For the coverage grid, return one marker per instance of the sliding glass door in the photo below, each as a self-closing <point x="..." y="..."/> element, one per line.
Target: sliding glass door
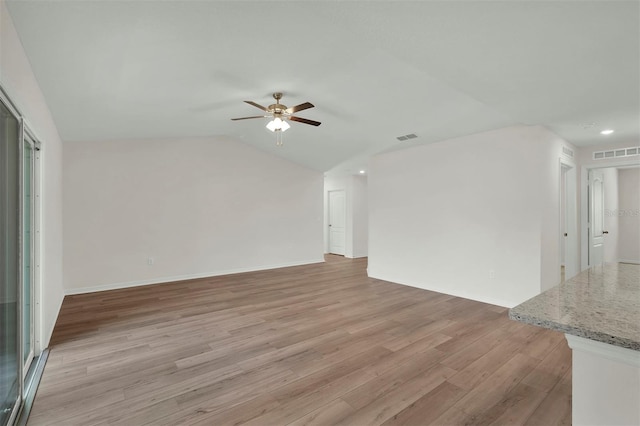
<point x="19" y="215"/>
<point x="10" y="359"/>
<point x="27" y="238"/>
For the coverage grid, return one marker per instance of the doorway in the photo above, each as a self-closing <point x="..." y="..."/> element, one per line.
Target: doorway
<point x="610" y="205"/>
<point x="337" y="222"/>
<point x="596" y="217"/>
<point x="568" y="220"/>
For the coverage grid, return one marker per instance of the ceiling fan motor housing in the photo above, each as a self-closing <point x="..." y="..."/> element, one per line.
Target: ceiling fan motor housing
<point x="277" y="108"/>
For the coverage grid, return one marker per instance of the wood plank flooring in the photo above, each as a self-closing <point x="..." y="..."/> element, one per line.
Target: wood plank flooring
<point x="318" y="344"/>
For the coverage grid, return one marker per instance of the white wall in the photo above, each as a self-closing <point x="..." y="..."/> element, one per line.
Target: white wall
<point x="629" y="215"/>
<point x="360" y="211"/>
<point x="19" y="81"/>
<point x="356" y="211"/>
<point x="476" y="216"/>
<point x="610" y="176"/>
<point x="198" y="207"/>
<point x="584" y="155"/>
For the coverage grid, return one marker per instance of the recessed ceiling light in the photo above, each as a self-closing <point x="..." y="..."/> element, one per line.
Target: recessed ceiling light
<point x="606" y="132"/>
<point x="361" y="172"/>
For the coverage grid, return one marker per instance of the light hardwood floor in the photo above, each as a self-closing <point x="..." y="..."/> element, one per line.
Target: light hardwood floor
<point x="316" y="344"/>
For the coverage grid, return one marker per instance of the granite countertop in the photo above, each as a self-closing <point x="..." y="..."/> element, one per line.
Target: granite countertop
<point x="601" y="303"/>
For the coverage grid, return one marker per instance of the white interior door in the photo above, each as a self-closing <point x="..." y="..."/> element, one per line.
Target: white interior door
<point x="569" y="219"/>
<point x="337" y="219"/>
<point x="596" y="217"/>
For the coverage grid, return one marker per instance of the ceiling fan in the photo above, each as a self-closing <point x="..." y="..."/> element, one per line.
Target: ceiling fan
<point x="280" y="114"/>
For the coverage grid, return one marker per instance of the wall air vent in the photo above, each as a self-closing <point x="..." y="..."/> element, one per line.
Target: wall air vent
<point x="617" y="153"/>
<point x="567" y="151"/>
<point x="405" y="137"/>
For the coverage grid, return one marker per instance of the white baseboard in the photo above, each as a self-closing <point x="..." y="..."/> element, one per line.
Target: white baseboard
<point x="161" y="280"/>
<point x="356" y="256"/>
<point x="636" y="261"/>
<point x="463" y="294"/>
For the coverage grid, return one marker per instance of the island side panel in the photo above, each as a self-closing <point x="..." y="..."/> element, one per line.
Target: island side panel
<point x="606" y="383"/>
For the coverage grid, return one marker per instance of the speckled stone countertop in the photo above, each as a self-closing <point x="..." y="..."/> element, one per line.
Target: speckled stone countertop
<point x="601" y="303"/>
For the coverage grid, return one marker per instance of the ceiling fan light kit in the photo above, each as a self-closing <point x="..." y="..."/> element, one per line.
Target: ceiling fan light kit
<point x="280" y="114"/>
<point x="278" y="124"/>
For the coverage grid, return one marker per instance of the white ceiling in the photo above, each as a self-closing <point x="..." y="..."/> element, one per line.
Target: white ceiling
<point x="374" y="70"/>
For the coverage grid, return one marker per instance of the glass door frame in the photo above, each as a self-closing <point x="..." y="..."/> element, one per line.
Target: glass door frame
<point x="6" y="102"/>
<point x="26" y="136"/>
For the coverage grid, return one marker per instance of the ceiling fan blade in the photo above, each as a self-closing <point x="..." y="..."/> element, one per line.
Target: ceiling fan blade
<point x="256" y="105"/>
<point x="247" y="118"/>
<point x="304" y="120"/>
<point x="300" y="107"/>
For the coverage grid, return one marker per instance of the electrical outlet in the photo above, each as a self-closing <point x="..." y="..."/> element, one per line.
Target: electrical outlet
<point x="492" y="274"/>
<point x="150" y="261"/>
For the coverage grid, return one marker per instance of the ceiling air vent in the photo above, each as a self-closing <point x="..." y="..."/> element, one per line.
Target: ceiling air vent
<point x="617" y="153"/>
<point x="405" y="137"/>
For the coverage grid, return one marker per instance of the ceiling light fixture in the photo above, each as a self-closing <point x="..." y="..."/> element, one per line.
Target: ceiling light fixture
<point x="606" y="132"/>
<point x="362" y="172"/>
<point x="278" y="124"/>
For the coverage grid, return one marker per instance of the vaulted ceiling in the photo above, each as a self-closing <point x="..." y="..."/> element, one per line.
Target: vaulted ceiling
<point x="374" y="69"/>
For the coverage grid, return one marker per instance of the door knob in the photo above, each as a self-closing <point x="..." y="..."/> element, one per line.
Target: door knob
<point x="605" y="232"/>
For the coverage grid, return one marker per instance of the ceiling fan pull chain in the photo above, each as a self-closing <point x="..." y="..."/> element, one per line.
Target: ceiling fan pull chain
<point x="278" y="137"/>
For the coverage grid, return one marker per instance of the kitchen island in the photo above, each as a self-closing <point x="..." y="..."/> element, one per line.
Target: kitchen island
<point x="599" y="312"/>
